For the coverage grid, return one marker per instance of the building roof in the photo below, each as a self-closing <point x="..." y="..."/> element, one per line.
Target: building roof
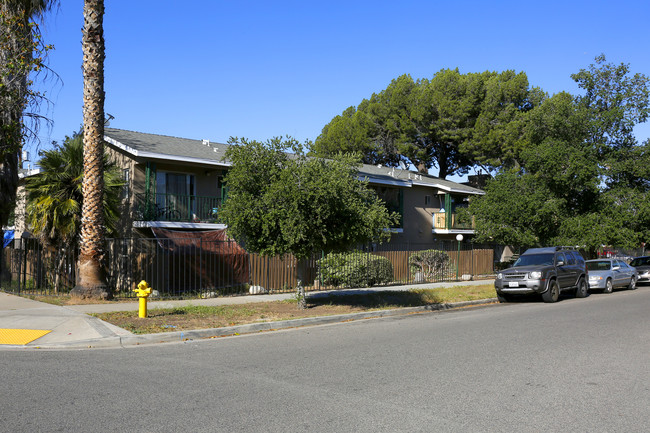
<point x="396" y="176"/>
<point x="153" y="146"/>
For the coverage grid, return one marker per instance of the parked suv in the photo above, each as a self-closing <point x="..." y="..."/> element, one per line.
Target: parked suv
<point x="547" y="271"/>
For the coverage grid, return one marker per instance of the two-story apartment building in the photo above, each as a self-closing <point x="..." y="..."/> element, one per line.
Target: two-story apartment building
<point x="177" y="183"/>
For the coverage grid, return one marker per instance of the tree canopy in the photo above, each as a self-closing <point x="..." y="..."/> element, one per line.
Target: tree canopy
<point x="281" y="203"/>
<point x="452" y="122"/>
<point x="22" y="54"/>
<point x="580" y="177"/>
<point x="288" y="203"/>
<point x="54" y="195"/>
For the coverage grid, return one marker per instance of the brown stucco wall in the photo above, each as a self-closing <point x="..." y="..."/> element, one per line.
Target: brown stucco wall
<point x="417" y="216"/>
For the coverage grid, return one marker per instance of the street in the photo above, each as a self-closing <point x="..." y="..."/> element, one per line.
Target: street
<point x="577" y="365"/>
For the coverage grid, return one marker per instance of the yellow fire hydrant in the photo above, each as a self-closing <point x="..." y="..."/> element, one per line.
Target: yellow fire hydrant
<point x="143" y="292"/>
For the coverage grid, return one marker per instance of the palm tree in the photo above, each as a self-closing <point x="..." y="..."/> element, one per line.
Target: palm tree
<point x="91" y="281"/>
<point x="20" y="54"/>
<point x="54" y="198"/>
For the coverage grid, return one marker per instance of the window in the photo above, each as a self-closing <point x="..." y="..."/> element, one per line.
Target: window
<point x="175" y="192"/>
<point x="427" y="200"/>
<point x="602" y="265"/>
<point x="534" y="260"/>
<point x="393" y="199"/>
<point x="570" y="259"/>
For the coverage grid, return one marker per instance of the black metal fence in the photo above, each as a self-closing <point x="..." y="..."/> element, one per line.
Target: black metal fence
<point x="185" y="268"/>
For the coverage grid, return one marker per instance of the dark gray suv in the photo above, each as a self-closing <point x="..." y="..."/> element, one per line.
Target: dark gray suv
<point x="547" y="271"/>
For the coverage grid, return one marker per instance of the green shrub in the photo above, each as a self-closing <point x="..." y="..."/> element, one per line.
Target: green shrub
<point x="354" y="270"/>
<point x="429" y="265"/>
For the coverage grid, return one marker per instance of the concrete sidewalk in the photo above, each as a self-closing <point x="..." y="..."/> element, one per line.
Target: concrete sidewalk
<point x="71" y="327"/>
<point x="66" y="326"/>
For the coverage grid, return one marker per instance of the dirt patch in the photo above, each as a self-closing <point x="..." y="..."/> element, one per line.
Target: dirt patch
<point x="202" y="317"/>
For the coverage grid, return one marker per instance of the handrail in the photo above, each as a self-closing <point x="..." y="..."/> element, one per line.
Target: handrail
<point x="176" y="207"/>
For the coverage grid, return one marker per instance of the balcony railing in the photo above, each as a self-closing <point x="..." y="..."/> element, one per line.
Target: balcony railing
<point x="176" y="207"/>
<point x="441" y="221"/>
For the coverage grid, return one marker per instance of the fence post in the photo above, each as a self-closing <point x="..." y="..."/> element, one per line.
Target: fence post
<point x="406" y="257"/>
<point x="20" y="263"/>
<point x="472" y="259"/>
<point x="25" y="271"/>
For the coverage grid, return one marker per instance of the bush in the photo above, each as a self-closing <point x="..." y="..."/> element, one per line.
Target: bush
<point x="429" y="265"/>
<point x="354" y="270"/>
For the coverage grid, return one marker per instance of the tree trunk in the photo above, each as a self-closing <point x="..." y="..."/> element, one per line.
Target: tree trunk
<point x="15" y="37"/>
<point x="91" y="281"/>
<point x="300" y="289"/>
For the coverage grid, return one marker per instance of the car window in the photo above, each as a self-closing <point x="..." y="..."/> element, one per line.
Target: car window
<point x="560" y="258"/>
<point x="535" y="260"/>
<point x="579" y="259"/>
<point x="639" y="261"/>
<point x="599" y="265"/>
<point x="623" y="265"/>
<point x="570" y="258"/>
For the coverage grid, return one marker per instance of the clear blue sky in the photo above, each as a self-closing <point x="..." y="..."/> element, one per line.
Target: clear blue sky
<point x="258" y="69"/>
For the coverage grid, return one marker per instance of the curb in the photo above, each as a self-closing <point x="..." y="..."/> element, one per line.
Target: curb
<point x="199" y="334"/>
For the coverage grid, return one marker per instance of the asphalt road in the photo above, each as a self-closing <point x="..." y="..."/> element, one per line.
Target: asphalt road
<point x="578" y="365"/>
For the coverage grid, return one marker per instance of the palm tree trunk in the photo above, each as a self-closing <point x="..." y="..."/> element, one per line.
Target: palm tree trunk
<point x="91" y="281"/>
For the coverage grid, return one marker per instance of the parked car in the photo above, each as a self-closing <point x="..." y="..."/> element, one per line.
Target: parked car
<point x="642" y="265"/>
<point x="547" y="271"/>
<point x="608" y="274"/>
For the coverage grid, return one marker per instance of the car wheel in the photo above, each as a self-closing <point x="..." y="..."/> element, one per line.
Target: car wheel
<point x="608" y="286"/>
<point x="552" y="294"/>
<point x="582" y="289"/>
<point x="632" y="285"/>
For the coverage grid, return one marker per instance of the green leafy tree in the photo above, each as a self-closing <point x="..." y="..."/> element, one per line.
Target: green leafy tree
<point x="22" y="54"/>
<point x="516" y="210"/>
<point x="54" y="197"/>
<point x="450" y="121"/>
<point x="616" y="101"/>
<point x="499" y="132"/>
<point x="580" y="177"/>
<point x="281" y="203"/>
<point x="354" y="131"/>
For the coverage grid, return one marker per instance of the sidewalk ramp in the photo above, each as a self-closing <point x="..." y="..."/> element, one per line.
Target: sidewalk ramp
<point x="21" y="336"/>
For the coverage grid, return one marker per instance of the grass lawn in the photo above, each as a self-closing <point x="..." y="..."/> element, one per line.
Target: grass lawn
<point x="202" y="317"/>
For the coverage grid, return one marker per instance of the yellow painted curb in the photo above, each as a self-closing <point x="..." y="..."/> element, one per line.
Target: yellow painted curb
<point x="21" y="336"/>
